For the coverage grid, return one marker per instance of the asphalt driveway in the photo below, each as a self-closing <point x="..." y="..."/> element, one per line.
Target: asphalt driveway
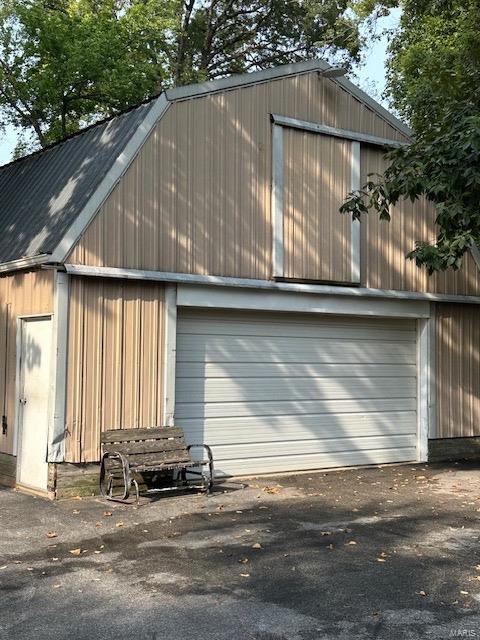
<point x="388" y="552"/>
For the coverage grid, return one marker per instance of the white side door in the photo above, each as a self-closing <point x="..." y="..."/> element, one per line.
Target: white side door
<point x="33" y="402"/>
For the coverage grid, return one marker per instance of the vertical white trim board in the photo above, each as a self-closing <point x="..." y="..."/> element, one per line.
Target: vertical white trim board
<point x="432" y="417"/>
<point x="355" y="225"/>
<point x="424" y="387"/>
<point x="277" y="202"/>
<point x="56" y="432"/>
<point x="170" y="354"/>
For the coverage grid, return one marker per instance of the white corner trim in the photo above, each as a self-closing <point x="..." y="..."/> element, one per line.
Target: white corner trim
<point x="316" y="127"/>
<point x="250" y="283"/>
<point x="277" y="202"/>
<point x="432" y="417"/>
<point x="56" y="427"/>
<point x="281" y="301"/>
<point x="170" y="354"/>
<point x="423" y="388"/>
<point x="121" y="164"/>
<point x="355" y="241"/>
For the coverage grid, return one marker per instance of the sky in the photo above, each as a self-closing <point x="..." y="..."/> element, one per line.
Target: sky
<point x="370" y="76"/>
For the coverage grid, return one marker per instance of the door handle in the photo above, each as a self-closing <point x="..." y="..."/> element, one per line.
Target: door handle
<point x="22" y="400"/>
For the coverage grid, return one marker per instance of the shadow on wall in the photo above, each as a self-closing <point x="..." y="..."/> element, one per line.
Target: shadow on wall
<point x="458" y="370"/>
<point x="197" y="198"/>
<point x="21" y="294"/>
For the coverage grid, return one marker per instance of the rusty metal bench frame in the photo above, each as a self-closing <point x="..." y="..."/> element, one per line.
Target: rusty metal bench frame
<point x="148" y="450"/>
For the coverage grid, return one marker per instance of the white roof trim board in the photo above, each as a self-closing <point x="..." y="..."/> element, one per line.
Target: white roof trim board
<point x="272" y="285"/>
<point x="35" y="248"/>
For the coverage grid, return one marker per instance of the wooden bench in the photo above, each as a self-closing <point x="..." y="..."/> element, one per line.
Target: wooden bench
<point x="158" y="449"/>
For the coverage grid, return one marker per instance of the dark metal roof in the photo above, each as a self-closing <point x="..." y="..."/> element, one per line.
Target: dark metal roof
<point x="42" y="194"/>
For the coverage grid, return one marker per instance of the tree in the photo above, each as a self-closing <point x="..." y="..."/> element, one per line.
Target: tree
<point x="67" y="63"/>
<point x="434" y="83"/>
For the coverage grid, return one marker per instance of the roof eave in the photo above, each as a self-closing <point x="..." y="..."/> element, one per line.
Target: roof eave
<point x="25" y="263"/>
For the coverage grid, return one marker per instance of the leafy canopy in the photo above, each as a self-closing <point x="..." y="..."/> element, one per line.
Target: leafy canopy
<point x="434" y="83"/>
<point x="67" y="63"/>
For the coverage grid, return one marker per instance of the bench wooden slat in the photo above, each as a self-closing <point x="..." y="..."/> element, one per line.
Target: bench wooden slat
<point x="146" y="446"/>
<point x="158" y="459"/>
<point x="154" y="433"/>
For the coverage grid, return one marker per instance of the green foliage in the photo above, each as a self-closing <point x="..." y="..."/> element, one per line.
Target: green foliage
<point x="67" y="63"/>
<point x="434" y="80"/>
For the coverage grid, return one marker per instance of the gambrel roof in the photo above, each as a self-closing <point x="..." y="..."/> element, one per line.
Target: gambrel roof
<point x="48" y="198"/>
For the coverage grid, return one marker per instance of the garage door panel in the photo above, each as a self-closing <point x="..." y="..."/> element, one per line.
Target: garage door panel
<point x="292" y="370"/>
<point x="270" y="464"/>
<point x="265" y="389"/>
<point x="234" y="430"/>
<point x="187" y="409"/>
<point x="324" y="329"/>
<point x="315" y="446"/>
<point x="241" y="349"/>
<point x="277" y="392"/>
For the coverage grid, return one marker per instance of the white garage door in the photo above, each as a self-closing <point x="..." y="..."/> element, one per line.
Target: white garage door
<point x="278" y="392"/>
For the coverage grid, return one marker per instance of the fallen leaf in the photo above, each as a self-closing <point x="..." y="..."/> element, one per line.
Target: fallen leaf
<point x="52" y="534"/>
<point x="381" y="560"/>
<point x="422" y="593"/>
<point x="4" y="566"/>
<point x="57" y="586"/>
<point x="257" y="545"/>
<point x="75" y="552"/>
<point x="107" y="514"/>
<point x="245" y="575"/>
<point x="331" y="546"/>
<point x="464" y="593"/>
<point x="76" y="512"/>
<point x="351" y="542"/>
<point x="119" y="524"/>
<point x="244" y="560"/>
<point x="271" y="489"/>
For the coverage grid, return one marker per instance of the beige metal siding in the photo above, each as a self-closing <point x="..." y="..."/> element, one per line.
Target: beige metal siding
<point x="20" y="294"/>
<point x="197" y="197"/>
<point x="317" y="177"/>
<point x="115" y="357"/>
<point x="458" y="370"/>
<point x="384" y="245"/>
